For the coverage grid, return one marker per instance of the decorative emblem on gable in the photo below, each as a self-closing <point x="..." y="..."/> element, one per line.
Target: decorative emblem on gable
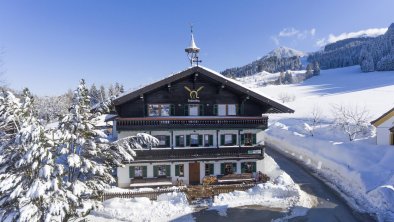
<point x="193" y="94"/>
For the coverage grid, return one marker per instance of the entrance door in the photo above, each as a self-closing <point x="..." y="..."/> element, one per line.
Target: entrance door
<point x="194" y="173"/>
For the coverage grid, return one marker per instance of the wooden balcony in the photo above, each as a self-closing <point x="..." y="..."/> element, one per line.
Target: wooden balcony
<point x="190" y="122"/>
<point x="157" y="155"/>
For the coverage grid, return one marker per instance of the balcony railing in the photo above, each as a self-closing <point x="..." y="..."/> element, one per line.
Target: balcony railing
<point x="191" y="123"/>
<point x="256" y="152"/>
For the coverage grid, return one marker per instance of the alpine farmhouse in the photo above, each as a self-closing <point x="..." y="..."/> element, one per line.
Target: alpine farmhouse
<point x="206" y="124"/>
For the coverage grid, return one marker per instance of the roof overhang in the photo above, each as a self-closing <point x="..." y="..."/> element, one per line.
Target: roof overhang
<point x="276" y="107"/>
<point x="383" y="118"/>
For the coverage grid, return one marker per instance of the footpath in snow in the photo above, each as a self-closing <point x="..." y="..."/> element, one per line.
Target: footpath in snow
<point x="279" y="192"/>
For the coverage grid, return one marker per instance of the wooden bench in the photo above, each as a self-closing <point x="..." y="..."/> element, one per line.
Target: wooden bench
<point x="151" y="182"/>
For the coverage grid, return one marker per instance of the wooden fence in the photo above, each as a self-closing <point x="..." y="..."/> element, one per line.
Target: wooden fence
<point x="192" y="192"/>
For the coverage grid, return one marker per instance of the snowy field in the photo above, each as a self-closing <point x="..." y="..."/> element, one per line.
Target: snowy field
<point x="362" y="171"/>
<point x="279" y="192"/>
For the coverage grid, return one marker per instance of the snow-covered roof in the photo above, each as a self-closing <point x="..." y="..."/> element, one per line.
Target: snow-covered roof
<point x="278" y="106"/>
<point x="383" y="118"/>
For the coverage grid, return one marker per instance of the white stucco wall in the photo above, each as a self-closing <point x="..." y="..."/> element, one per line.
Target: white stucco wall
<point x="124" y="179"/>
<point x="383" y="132"/>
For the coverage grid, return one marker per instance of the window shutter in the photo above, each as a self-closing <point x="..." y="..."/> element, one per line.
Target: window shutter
<point x="145" y="171"/>
<point x="234" y="167"/>
<point x="131" y="171"/>
<point x="172" y="110"/>
<point x="186" y="109"/>
<point x="200" y="140"/>
<point x="168" y="170"/>
<point x="234" y="139"/>
<point x="222" y="140"/>
<point x="254" y="167"/>
<point x="242" y="109"/>
<point x="210" y="140"/>
<point x="201" y="110"/>
<point x="168" y="138"/>
<point x="242" y="139"/>
<point x="155" y="171"/>
<point x="177" y="170"/>
<point x="215" y="109"/>
<point x="243" y="167"/>
<point x="177" y="139"/>
<point x="211" y="169"/>
<point x="237" y="109"/>
<point x="222" y="167"/>
<point x="187" y="140"/>
<point x="254" y="139"/>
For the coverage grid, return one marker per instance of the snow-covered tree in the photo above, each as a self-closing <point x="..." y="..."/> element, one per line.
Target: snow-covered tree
<point x="94" y="95"/>
<point x="29" y="176"/>
<point x="316" y="68"/>
<point x="353" y="121"/>
<point x="314" y="121"/>
<point x="367" y="63"/>
<point x="88" y="155"/>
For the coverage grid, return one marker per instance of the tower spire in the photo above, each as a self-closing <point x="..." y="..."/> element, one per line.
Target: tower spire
<point x="192" y="51"/>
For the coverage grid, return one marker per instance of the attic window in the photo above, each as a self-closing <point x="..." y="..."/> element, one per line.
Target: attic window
<point x="159" y="109"/>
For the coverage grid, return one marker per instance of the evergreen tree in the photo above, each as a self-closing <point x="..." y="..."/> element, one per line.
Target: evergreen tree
<point x="94" y="95"/>
<point x="29" y="178"/>
<point x="103" y="94"/>
<point x="89" y="155"/>
<point x="316" y="68"/>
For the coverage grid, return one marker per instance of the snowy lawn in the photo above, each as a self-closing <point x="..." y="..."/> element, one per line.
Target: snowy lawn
<point x="279" y="192"/>
<point x="361" y="170"/>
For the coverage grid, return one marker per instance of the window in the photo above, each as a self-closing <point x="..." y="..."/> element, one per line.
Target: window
<point x="179" y="170"/>
<point x="228" y="139"/>
<point x="208" y="140"/>
<point x="248" y="167"/>
<point x="248" y="139"/>
<point x="164" y="141"/>
<point x="226" y="110"/>
<point x="193" y="109"/>
<point x="231" y="110"/>
<point x="159" y="109"/>
<point x="209" y="169"/>
<point x="180" y="141"/>
<point x="162" y="170"/>
<point x="228" y="168"/>
<point x="137" y="171"/>
<point x="194" y="140"/>
<point x="221" y="109"/>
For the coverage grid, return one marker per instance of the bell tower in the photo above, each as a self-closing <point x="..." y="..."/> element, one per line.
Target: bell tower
<point x="192" y="51"/>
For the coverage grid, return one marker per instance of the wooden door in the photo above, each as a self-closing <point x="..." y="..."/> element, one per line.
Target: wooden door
<point x="194" y="173"/>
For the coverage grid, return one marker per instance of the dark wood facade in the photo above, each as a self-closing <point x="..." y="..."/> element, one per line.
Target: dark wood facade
<point x="216" y="90"/>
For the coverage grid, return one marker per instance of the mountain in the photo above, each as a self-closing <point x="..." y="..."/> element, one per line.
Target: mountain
<point x="285" y="52"/>
<point x="280" y="59"/>
<point x="378" y="53"/>
<point x="371" y="53"/>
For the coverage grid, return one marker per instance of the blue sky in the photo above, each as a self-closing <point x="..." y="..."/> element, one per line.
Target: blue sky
<point x="49" y="45"/>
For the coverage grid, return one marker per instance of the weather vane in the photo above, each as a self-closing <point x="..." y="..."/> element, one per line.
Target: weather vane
<point x="192" y="51"/>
